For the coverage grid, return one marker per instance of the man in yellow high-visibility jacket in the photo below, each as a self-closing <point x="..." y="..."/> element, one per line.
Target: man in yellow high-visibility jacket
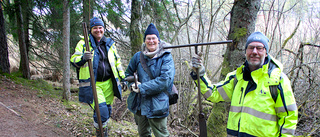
<point x="107" y="69"/>
<point x="254" y="112"/>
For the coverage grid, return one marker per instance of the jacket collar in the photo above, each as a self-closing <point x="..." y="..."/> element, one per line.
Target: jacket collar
<point x="161" y="50"/>
<point x="243" y="72"/>
<point x="94" y="42"/>
<point x="270" y="70"/>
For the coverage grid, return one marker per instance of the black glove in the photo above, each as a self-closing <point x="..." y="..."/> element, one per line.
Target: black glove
<point x="124" y="86"/>
<point x="87" y="55"/>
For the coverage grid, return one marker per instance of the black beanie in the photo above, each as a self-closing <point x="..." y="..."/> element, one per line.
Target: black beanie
<point x="96" y="22"/>
<point x="151" y="30"/>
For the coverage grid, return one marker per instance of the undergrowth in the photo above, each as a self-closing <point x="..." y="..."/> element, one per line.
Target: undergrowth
<point x="40" y="85"/>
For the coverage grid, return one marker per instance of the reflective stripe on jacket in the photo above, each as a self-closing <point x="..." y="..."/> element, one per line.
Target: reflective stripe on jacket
<point x="254" y="112"/>
<point x="85" y="90"/>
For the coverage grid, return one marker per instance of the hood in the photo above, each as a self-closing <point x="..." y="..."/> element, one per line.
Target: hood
<point x="161" y="49"/>
<point x="270" y="65"/>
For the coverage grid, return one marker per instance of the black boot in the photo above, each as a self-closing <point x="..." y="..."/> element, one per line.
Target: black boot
<point x="105" y="132"/>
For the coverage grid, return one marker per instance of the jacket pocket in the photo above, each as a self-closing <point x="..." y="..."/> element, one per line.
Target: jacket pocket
<point x="160" y="105"/>
<point x="133" y="102"/>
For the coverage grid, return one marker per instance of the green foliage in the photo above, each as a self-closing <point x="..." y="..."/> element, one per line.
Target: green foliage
<point x="114" y="11"/>
<point x="45" y="25"/>
<point x="43" y="87"/>
<point x="11" y="24"/>
<point x="159" y="14"/>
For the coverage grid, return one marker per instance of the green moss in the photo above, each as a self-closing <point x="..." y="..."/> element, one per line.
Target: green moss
<point x="217" y="121"/>
<point x="43" y="87"/>
<point x="137" y="42"/>
<point x="124" y="128"/>
<point x="225" y="68"/>
<point x="238" y="33"/>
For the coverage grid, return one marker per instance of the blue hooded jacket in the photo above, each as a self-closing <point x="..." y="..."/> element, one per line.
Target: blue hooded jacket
<point x="152" y="101"/>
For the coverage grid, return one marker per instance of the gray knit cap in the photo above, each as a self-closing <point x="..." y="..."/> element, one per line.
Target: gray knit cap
<point x="258" y="37"/>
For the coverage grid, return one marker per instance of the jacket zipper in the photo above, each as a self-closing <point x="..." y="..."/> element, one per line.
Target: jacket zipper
<point x="240" y="111"/>
<point x="241" y="95"/>
<point x="104" y="67"/>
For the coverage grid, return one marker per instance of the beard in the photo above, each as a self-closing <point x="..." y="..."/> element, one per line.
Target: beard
<point x="255" y="64"/>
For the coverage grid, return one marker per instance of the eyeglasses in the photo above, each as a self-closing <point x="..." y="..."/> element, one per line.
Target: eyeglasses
<point x="259" y="48"/>
<point x="151" y="38"/>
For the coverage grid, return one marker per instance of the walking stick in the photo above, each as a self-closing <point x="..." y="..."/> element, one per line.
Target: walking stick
<point x="202" y="120"/>
<point x="93" y="83"/>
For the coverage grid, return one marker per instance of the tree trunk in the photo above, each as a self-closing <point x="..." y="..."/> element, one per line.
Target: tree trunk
<point x="87" y="11"/>
<point x="4" y="58"/>
<point x="242" y="24"/>
<point x="136" y="35"/>
<point x="26" y="19"/>
<point x="66" y="48"/>
<point x="24" y="61"/>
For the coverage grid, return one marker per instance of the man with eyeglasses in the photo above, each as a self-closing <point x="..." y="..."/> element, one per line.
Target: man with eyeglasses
<point x="262" y="101"/>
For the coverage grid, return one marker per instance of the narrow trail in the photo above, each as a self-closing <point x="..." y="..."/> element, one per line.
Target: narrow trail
<point x="24" y="114"/>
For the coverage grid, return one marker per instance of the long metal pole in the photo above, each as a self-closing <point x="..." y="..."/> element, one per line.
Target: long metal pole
<point x="202" y="120"/>
<point x="198" y="44"/>
<point x="93" y="83"/>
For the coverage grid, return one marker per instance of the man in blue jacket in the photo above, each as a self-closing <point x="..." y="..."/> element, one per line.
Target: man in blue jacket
<point x="149" y="102"/>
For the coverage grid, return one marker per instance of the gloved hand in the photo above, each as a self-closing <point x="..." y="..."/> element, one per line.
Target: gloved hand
<point x="197" y="64"/>
<point x="124" y="86"/>
<point x="87" y="55"/>
<point x="133" y="87"/>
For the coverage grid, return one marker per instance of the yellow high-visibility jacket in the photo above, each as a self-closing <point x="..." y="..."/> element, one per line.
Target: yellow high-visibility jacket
<point x="253" y="111"/>
<point x="85" y="90"/>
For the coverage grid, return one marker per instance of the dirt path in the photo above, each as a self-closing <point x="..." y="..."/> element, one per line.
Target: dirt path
<point x="35" y="113"/>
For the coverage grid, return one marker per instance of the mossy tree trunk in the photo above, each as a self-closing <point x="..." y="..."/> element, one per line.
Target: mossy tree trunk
<point x="242" y="24"/>
<point x="136" y="35"/>
<point x="4" y="58"/>
<point x="24" y="61"/>
<point x="217" y="121"/>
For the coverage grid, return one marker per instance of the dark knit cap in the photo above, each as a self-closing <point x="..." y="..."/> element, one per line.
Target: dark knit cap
<point x="96" y="22"/>
<point x="151" y="30"/>
<point x="258" y="37"/>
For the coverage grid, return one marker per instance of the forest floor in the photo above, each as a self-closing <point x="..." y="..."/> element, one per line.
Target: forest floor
<point x="25" y="113"/>
<point x="32" y="109"/>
